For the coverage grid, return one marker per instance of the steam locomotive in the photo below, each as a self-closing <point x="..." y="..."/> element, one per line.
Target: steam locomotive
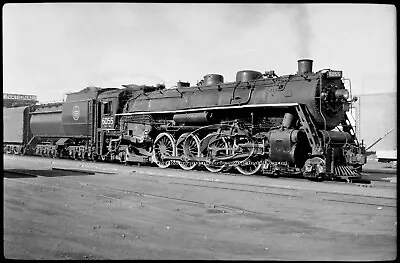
<point x="295" y="124"/>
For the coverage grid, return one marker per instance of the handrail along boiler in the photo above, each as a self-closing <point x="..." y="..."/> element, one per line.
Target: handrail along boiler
<point x="295" y="124"/>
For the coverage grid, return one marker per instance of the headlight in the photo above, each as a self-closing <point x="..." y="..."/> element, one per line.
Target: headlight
<point x="342" y="94"/>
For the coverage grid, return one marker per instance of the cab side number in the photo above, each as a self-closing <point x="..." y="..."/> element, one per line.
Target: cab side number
<point x="107" y="121"/>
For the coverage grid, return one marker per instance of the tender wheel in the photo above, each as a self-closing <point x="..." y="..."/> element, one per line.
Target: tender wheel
<point x="85" y="156"/>
<point x="164" y="145"/>
<point x="95" y="157"/>
<point x="63" y="154"/>
<point x="189" y="147"/>
<point x="222" y="151"/>
<point x="16" y="151"/>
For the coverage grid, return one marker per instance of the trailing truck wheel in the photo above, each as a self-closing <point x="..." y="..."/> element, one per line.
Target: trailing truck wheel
<point x="164" y="145"/>
<point x="188" y="147"/>
<point x="35" y="151"/>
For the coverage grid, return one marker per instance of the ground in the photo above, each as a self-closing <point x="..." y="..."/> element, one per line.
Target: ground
<point x="131" y="212"/>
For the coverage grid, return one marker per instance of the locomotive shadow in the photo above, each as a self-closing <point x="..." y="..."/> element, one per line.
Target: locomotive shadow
<point x="16" y="174"/>
<point x="28" y="173"/>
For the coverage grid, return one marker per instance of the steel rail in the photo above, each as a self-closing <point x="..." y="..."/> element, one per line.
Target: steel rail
<point x="232" y="189"/>
<point x="137" y="193"/>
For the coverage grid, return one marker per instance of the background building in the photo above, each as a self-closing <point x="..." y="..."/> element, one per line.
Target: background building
<point x="375" y="115"/>
<point x="18" y="100"/>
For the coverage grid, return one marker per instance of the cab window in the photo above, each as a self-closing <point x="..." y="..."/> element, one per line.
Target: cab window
<point x="108" y="107"/>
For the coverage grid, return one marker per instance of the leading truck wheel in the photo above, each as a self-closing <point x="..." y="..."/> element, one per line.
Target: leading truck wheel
<point x="314" y="169"/>
<point x="164" y="145"/>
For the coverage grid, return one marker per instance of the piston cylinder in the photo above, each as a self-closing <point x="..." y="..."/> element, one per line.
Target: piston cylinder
<point x="282" y="145"/>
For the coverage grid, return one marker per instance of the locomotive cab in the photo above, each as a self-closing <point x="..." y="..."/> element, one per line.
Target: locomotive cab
<point x="106" y="110"/>
<point x="109" y="105"/>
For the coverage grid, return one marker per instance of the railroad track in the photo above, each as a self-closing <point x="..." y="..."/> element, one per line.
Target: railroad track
<point x="229" y="186"/>
<point x="356" y="181"/>
<point x="132" y="192"/>
<point x="179" y="170"/>
<point x="297" y="189"/>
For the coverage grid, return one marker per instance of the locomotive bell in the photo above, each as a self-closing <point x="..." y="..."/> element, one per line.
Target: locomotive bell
<point x="247" y="75"/>
<point x="212" y="79"/>
<point x="304" y="66"/>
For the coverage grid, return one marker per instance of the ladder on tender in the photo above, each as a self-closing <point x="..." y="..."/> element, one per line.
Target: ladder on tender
<point x="310" y="129"/>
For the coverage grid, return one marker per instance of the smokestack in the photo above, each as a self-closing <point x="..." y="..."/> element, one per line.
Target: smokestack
<point x="304" y="66"/>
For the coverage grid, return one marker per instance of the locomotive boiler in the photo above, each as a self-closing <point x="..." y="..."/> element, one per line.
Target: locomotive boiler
<point x="283" y="125"/>
<point x="296" y="124"/>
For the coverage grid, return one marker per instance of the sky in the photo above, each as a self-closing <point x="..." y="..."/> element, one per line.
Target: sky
<point x="50" y="49"/>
